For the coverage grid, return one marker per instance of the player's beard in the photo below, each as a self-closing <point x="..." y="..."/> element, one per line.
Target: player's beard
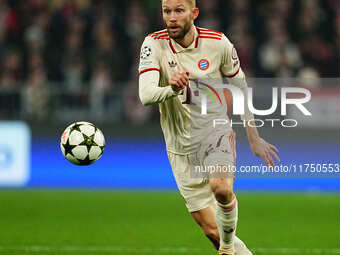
<point x="180" y="34"/>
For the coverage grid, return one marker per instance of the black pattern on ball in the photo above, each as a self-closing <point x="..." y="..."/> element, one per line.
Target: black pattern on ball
<point x="68" y="147"/>
<point x="76" y="127"/>
<point x="86" y="161"/>
<point x="88" y="141"/>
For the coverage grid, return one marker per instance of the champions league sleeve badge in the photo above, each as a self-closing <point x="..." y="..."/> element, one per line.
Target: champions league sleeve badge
<point x="145" y="52"/>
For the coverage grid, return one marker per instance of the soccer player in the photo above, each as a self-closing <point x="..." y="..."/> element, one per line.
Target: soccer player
<point x="171" y="60"/>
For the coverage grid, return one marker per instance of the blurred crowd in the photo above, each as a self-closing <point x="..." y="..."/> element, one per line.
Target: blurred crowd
<point x="90" y="48"/>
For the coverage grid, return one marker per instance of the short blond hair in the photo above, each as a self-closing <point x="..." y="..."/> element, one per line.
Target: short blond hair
<point x="192" y="3"/>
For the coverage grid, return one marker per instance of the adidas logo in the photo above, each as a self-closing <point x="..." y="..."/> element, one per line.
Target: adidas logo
<point x="172" y="64"/>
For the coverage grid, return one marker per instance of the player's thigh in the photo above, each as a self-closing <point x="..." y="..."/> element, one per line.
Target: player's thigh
<point x="195" y="190"/>
<point x="218" y="154"/>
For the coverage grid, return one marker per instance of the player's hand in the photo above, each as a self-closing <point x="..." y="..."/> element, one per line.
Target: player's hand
<point x="179" y="81"/>
<point x="265" y="150"/>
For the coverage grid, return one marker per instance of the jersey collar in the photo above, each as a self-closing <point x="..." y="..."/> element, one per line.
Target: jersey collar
<point x="177" y="48"/>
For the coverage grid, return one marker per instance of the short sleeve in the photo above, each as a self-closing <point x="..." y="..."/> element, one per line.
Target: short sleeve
<point x="230" y="65"/>
<point x="149" y="53"/>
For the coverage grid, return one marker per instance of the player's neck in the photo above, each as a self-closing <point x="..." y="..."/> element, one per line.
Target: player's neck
<point x="188" y="38"/>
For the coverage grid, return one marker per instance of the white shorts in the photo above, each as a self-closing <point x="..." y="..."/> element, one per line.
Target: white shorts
<point x="194" y="189"/>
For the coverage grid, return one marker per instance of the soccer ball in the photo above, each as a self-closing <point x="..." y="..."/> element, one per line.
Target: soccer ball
<point x="82" y="143"/>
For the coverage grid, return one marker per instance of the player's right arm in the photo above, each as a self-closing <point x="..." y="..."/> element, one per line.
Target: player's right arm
<point x="149" y="76"/>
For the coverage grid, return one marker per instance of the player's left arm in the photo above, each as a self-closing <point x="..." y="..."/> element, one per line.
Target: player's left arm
<point x="260" y="147"/>
<point x="231" y="68"/>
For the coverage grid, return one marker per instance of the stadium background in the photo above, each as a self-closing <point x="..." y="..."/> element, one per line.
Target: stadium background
<point x="63" y="61"/>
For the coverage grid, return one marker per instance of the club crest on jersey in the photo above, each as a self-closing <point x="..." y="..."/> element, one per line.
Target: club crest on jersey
<point x="203" y="64"/>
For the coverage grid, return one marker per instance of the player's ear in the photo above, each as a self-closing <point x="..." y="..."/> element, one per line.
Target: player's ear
<point x="195" y="13"/>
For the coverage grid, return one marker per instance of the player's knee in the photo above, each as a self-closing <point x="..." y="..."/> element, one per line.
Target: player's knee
<point x="223" y="191"/>
<point x="224" y="195"/>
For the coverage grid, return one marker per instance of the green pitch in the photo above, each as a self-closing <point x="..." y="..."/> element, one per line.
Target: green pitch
<point x="122" y="223"/>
